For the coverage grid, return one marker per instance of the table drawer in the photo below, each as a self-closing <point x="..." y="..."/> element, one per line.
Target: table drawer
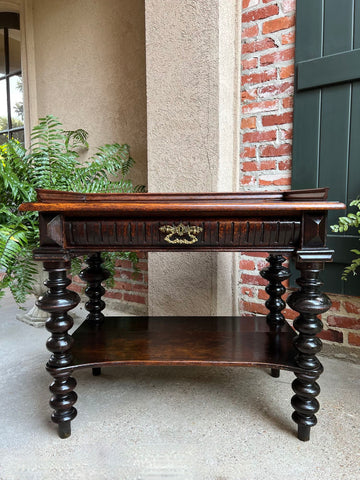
<point x="181" y="234"/>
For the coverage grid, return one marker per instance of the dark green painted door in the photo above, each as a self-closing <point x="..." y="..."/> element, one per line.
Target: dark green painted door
<point x="326" y="146"/>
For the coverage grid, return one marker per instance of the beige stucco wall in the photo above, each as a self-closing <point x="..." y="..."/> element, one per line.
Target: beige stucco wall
<point x="90" y="70"/>
<point x="192" y="84"/>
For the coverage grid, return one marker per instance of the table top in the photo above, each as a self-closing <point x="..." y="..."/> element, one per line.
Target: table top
<point x="139" y="204"/>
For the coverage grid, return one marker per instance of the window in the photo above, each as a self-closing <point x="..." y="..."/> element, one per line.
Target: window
<point x="11" y="86"/>
<point x="326" y="144"/>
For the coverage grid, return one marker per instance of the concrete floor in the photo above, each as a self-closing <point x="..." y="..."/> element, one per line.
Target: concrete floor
<point x="170" y="423"/>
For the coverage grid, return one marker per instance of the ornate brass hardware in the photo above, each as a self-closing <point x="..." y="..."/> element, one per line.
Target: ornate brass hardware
<point x="181" y="230"/>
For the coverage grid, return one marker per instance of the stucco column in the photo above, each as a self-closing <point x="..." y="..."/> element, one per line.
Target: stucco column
<point x="192" y="69"/>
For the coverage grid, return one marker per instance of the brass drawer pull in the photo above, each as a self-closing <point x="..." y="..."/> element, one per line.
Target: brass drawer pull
<point x="181" y="230"/>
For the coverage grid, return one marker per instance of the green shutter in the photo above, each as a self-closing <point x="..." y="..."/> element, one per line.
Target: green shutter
<point x="326" y="144"/>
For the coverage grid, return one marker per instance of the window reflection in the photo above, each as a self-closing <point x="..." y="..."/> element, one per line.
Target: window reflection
<point x="3" y="106"/>
<point x="16" y="101"/>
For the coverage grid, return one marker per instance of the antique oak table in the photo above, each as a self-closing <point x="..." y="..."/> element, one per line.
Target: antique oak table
<point x="291" y="223"/>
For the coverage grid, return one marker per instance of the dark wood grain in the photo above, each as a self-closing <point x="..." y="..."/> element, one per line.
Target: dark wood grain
<point x="226" y="341"/>
<point x="227" y="234"/>
<point x="292" y="222"/>
<point x="310" y="303"/>
<point x="57" y="301"/>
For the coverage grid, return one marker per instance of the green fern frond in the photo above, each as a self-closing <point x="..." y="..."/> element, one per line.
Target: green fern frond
<point x="52" y="162"/>
<point x="76" y="139"/>
<point x="351" y="220"/>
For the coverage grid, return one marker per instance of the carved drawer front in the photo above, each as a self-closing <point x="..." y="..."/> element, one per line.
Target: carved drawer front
<point x="182" y="233"/>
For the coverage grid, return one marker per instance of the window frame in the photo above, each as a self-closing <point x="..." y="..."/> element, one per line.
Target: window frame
<point x="9" y="20"/>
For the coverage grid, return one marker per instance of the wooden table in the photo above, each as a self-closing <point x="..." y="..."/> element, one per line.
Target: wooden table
<point x="281" y="223"/>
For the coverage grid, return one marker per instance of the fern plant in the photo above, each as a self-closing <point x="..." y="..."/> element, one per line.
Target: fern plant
<point x="51" y="162"/>
<point x="351" y="220"/>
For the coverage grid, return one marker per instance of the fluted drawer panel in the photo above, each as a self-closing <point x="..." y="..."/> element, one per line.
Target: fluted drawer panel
<point x="187" y="233"/>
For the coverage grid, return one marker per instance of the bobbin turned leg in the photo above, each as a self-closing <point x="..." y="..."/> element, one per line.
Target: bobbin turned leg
<point x="58" y="301"/>
<point x="309" y="302"/>
<point x="94" y="274"/>
<point x="276" y="273"/>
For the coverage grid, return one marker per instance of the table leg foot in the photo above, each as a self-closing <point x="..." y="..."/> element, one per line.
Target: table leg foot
<point x="64" y="429"/>
<point x="57" y="301"/>
<point x="310" y="303"/>
<point x="303" y="433"/>
<point x="96" y="372"/>
<point x="275" y="372"/>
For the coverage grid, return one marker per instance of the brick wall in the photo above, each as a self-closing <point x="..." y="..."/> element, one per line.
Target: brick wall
<point x="268" y="47"/>
<point x="129" y="292"/>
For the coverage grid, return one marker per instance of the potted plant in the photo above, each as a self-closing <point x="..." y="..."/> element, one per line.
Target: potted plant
<point x="351" y="220"/>
<point x="51" y="162"/>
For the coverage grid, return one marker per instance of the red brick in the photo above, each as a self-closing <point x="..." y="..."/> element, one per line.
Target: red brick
<point x="247" y="264"/>
<point x="335" y="306"/>
<point x="252" y="137"/>
<point x="249" y="122"/>
<point x="142" y="255"/>
<point x="124" y="264"/>
<point x="288" y="38"/>
<point x="270" y="120"/>
<point x="331" y="336"/>
<point x="246" y="179"/>
<point x="249" y="166"/>
<point x="253" y="279"/>
<point x="116" y="295"/>
<point x="268" y="165"/>
<point x="260" y="13"/>
<point x="286" y="72"/>
<point x="277" y="24"/>
<point x="276" y="90"/>
<point x="290" y="314"/>
<point x="250" y="94"/>
<point x="249" y="64"/>
<point x="252" y="307"/>
<point x="351" y="307"/>
<point x="247" y="291"/>
<point x="262" y="295"/>
<point x="343" y="322"/>
<point x="286" y="134"/>
<point x="271" y="151"/>
<point x="281" y="56"/>
<point x="249" y="32"/>
<point x="262" y="77"/>
<point x="288" y="102"/>
<point x="134" y="298"/>
<point x="354" y="339"/>
<point x="274" y="181"/>
<point x="76" y="288"/>
<point x="263" y="106"/>
<point x="258" y="45"/>
<point x="285" y="164"/>
<point x="248" y="152"/>
<point x="143" y="266"/>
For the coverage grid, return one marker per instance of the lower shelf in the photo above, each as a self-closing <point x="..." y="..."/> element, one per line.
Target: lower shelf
<point x="226" y="341"/>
